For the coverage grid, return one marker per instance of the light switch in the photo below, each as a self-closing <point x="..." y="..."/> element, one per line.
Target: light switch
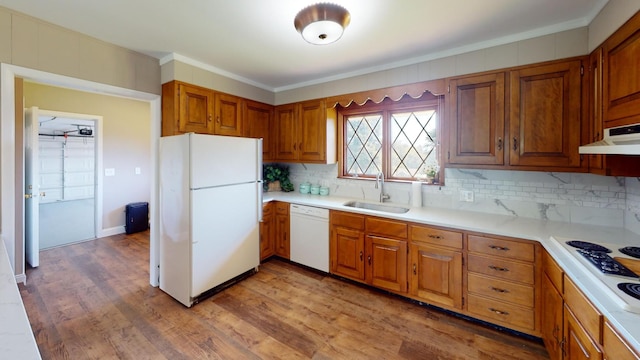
<point x="110" y="172"/>
<point x="137" y="170"/>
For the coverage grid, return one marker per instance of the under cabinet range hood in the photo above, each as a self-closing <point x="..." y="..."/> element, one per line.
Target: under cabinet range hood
<point x="622" y="140"/>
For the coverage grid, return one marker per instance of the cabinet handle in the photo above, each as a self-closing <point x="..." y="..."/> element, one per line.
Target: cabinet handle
<point x="515" y="143"/>
<point x="500" y="143"/>
<point x="209" y="118"/>
<point x="414" y="269"/>
<point x="300" y="147"/>
<point x="499" y="312"/>
<point x="502" y="291"/>
<point x="295" y="146"/>
<point x="496" y="247"/>
<point x="496" y="268"/>
<point x="360" y="255"/>
<point x="435" y="236"/>
<point x="218" y="119"/>
<point x="369" y="259"/>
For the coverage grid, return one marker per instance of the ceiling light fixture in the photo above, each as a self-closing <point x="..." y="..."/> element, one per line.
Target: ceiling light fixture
<point x="322" y="23"/>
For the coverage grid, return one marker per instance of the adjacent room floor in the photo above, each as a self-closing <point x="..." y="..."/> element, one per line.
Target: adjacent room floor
<point x="93" y="301"/>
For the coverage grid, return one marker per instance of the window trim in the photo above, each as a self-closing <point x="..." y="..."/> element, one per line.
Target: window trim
<point x="384" y="107"/>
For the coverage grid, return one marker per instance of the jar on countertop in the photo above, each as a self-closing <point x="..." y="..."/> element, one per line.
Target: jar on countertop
<point x="324" y="191"/>
<point x="315" y="189"/>
<point x="304" y="188"/>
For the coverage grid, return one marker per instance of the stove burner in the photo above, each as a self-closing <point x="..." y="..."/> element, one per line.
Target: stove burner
<point x="606" y="264"/>
<point x="632" y="251"/>
<point x="587" y="246"/>
<point x="631" y="289"/>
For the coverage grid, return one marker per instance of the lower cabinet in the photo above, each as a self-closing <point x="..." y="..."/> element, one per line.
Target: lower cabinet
<point x="282" y="236"/>
<point x="552" y="307"/>
<point x="369" y="250"/>
<point x="436" y="266"/>
<point x="267" y="232"/>
<point x="578" y="344"/>
<point x="614" y="346"/>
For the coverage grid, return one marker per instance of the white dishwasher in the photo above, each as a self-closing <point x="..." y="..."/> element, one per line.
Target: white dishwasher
<point x="309" y="236"/>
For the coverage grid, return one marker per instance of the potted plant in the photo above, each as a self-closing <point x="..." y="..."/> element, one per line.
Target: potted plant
<point x="276" y="177"/>
<point x="431" y="173"/>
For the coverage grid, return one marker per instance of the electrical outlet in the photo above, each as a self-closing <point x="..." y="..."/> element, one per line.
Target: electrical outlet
<point x="466" y="195"/>
<point x="110" y="172"/>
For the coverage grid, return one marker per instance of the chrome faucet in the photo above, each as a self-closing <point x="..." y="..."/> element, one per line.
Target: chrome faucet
<point x="380" y="181"/>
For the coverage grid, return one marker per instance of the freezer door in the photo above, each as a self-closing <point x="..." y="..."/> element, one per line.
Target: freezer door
<point x="223" y="160"/>
<point x="225" y="234"/>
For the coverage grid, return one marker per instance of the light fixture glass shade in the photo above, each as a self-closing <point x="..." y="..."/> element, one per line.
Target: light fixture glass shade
<point x="322" y="23"/>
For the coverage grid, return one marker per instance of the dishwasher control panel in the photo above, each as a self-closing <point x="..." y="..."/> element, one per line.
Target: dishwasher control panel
<point x="309" y="211"/>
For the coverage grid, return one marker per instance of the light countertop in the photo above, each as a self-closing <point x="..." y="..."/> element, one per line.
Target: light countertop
<point x="16" y="337"/>
<point x="627" y="323"/>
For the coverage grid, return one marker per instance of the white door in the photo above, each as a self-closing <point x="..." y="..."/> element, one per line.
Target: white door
<point x="31" y="187"/>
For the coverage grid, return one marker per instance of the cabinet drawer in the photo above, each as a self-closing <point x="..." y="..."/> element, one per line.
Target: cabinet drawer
<point x="501" y="247"/>
<point x="507" y="314"/>
<point x="433" y="236"/>
<point x="501" y="268"/>
<point x="384" y="227"/>
<point x="502" y="290"/>
<point x="588" y="316"/>
<point x="347" y="220"/>
<point x="282" y="208"/>
<point x="553" y="271"/>
<point x="267" y="209"/>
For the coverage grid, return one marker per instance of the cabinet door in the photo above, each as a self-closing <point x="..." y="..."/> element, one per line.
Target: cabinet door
<point x="476" y="118"/>
<point x="621" y="81"/>
<point x="614" y="346"/>
<point x="196" y="109"/>
<point x="257" y="125"/>
<point x="312" y="132"/>
<point x="578" y="344"/>
<point x="436" y="275"/>
<point x="286" y="146"/>
<point x="228" y="115"/>
<point x="347" y="253"/>
<point x="387" y="263"/>
<point x="267" y="232"/>
<point x="545" y="116"/>
<point x="282" y="241"/>
<point x="552" y="323"/>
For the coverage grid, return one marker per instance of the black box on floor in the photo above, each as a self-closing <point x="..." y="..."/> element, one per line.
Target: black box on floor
<point x="137" y="217"/>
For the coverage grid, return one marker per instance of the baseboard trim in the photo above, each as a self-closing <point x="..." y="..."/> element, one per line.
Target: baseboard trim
<point x="111" y="231"/>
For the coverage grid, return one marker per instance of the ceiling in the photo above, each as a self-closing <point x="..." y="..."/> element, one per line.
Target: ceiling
<point x="254" y="41"/>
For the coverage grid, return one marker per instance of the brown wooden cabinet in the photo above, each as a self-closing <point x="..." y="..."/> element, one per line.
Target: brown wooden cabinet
<point x="301" y="132"/>
<point x="476" y="120"/>
<point x="346" y="249"/>
<point x="552" y="307"/>
<point x="436" y="266"/>
<point x="282" y="235"/>
<point x="370" y="250"/>
<point x="186" y="108"/>
<point x="502" y="281"/>
<point x="525" y="118"/>
<point x="545" y="115"/>
<point x="267" y="231"/>
<point x="228" y="118"/>
<point x="190" y="108"/>
<point x="578" y="344"/>
<point x="257" y="124"/>
<point x="614" y="346"/>
<point x="621" y="75"/>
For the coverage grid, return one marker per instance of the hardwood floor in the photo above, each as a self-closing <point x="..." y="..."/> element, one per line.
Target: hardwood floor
<point x="93" y="301"/>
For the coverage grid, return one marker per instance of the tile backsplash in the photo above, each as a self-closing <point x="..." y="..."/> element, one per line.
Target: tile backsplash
<point x="567" y="197"/>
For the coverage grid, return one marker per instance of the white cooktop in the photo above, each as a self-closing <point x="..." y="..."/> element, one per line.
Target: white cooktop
<point x="607" y="283"/>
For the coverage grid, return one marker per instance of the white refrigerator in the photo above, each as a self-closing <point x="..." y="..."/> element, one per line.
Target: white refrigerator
<point x="210" y="208"/>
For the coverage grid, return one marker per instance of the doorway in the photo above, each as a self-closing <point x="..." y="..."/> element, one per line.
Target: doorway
<point x="69" y="147"/>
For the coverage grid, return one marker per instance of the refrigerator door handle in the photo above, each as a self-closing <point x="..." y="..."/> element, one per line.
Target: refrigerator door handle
<point x="260" y="198"/>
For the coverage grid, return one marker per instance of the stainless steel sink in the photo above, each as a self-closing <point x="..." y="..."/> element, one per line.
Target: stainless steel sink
<point x="377" y="207"/>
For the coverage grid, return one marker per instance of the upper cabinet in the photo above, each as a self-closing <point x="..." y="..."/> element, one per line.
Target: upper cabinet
<point x="258" y="119"/>
<point x="476" y="120"/>
<point x="525" y="118"/>
<point x="228" y="119"/>
<point x="189" y="108"/>
<point x="305" y="132"/>
<point x="621" y="75"/>
<point x="545" y="115"/>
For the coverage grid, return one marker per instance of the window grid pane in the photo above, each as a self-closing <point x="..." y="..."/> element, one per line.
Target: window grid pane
<point x="413" y="143"/>
<point x="363" y="150"/>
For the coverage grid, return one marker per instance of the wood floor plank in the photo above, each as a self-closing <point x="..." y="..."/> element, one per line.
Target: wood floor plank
<point x="92" y="300"/>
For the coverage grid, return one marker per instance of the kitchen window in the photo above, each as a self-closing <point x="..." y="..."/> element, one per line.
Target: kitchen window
<point x="397" y="138"/>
